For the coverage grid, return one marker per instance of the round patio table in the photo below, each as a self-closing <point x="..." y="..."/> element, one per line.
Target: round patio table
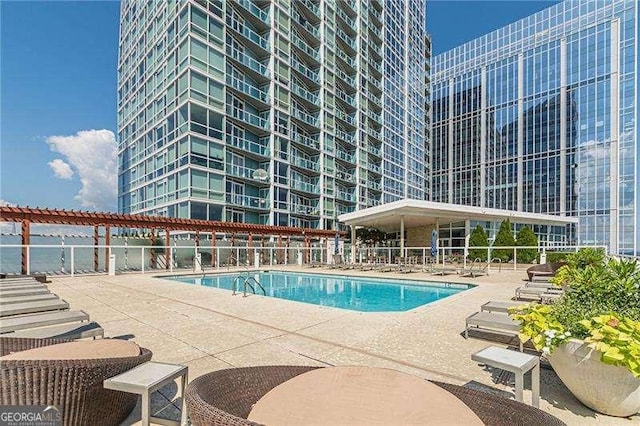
<point x="360" y="395"/>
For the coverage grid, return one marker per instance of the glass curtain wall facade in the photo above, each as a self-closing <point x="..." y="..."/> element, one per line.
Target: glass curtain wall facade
<point x="541" y="116"/>
<point x="269" y="112"/>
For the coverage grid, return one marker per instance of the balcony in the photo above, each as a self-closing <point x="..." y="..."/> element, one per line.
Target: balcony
<point x="310" y="188"/>
<point x="304" y="94"/>
<point x="247" y="201"/>
<point x="374" y="168"/>
<point x="348" y="99"/>
<point x="305" y="117"/>
<point x="377" y="67"/>
<point x="249" y="118"/>
<point x="377" y="15"/>
<point x="305" y="163"/>
<point x="347" y="137"/>
<point x="248" y="146"/>
<point x="255" y="11"/>
<point x="346" y="39"/>
<point x="305" y="141"/>
<point x="346" y="196"/>
<point x="345" y="176"/>
<point x="310" y="6"/>
<point x="248" y="89"/>
<point x="374" y="133"/>
<point x="305" y="48"/>
<point x="346" y="59"/>
<point x="374" y="185"/>
<point x="344" y="209"/>
<point x="304" y="209"/>
<point x="244" y="173"/>
<point x="248" y="62"/>
<point x="303" y="23"/>
<point x="348" y="118"/>
<point x="375" y="150"/>
<point x="347" y="79"/>
<point x="351" y="6"/>
<point x="248" y="34"/>
<point x="305" y="71"/>
<point x="346" y="19"/>
<point x="346" y="156"/>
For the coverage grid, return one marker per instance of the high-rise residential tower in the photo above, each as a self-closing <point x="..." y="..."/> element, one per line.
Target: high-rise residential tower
<point x="274" y="112"/>
<point x="542" y="116"/>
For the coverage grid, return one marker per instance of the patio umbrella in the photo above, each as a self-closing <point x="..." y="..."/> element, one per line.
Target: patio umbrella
<point x="434" y="243"/>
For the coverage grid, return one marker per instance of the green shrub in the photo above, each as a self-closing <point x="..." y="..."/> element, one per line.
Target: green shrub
<point x="526" y="238"/>
<point x="605" y="287"/>
<point x="504" y="239"/>
<point x="555" y="256"/>
<point x="478" y="238"/>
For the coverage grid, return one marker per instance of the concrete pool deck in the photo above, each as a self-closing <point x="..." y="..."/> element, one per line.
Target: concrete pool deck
<point x="209" y="329"/>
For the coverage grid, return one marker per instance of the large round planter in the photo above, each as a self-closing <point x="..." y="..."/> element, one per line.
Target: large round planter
<point x="604" y="388"/>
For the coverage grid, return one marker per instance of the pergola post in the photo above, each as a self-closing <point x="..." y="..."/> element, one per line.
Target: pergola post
<point x="307" y="249"/>
<point x="213" y="249"/>
<point x="167" y="248"/>
<point x="250" y="249"/>
<point x="438" y="240"/>
<point x="107" y="243"/>
<point x="96" y="241"/>
<point x="26" y="238"/>
<point x="152" y="252"/>
<point x="286" y="252"/>
<point x="278" y="250"/>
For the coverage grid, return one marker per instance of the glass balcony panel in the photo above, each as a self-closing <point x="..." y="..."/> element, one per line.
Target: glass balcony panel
<point x="248" y="145"/>
<point x="247" y="88"/>
<point x="247" y="201"/>
<point x="248" y="61"/>
<point x="255" y="10"/>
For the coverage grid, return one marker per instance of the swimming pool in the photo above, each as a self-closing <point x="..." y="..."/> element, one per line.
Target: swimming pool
<point x="356" y="294"/>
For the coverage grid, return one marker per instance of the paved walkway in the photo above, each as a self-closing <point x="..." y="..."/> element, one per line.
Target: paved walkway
<point x="209" y="329"/>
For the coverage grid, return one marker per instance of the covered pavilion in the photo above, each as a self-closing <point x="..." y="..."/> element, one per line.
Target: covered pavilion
<point x="428" y="215"/>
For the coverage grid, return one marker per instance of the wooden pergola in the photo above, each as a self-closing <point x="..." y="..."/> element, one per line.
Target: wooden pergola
<point x="26" y="216"/>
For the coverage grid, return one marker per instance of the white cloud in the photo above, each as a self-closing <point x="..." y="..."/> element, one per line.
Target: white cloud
<point x="93" y="155"/>
<point x="61" y="169"/>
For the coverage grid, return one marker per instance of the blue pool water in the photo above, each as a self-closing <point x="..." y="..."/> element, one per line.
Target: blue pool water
<point x="356" y="294"/>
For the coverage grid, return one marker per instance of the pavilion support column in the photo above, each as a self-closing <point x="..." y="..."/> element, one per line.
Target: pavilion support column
<point x="353" y="244"/>
<point x="26" y="240"/>
<point x="152" y="252"/>
<point x="107" y="248"/>
<point x="167" y="248"/>
<point x="197" y="239"/>
<point x="437" y="239"/>
<point x="286" y="252"/>
<point x="96" y="241"/>
<point x="250" y="249"/>
<point x="402" y="236"/>
<point x="307" y="249"/>
<point x="213" y="249"/>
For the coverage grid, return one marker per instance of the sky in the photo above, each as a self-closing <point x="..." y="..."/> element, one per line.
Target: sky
<point x="58" y="62"/>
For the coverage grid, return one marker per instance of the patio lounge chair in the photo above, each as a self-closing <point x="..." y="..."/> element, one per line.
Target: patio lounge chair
<point x="501" y="306"/>
<point x="22" y="299"/>
<point x="493" y="322"/>
<point x="544" y="270"/>
<point x="23" y="292"/>
<point x="226" y="397"/>
<point x="33" y="307"/>
<point x="72" y="331"/>
<point x="23" y="322"/>
<point x="69" y="375"/>
<point x="536" y="293"/>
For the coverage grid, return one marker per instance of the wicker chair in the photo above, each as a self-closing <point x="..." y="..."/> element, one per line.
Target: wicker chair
<point x="226" y="397"/>
<point x="74" y="386"/>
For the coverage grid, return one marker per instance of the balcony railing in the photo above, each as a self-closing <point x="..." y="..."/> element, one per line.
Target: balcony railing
<point x="305" y="47"/>
<point x="311" y="75"/>
<point x="248" y="61"/>
<point x="250" y="118"/>
<point x="349" y="61"/>
<point x="349" y="80"/>
<point x="304" y="186"/>
<point x="344" y="175"/>
<point x="305" y="163"/>
<point x="374" y="185"/>
<point x="346" y="156"/>
<point x="311" y="6"/>
<point x="345" y="196"/>
<point x="243" y="172"/>
<point x="345" y="18"/>
<point x="347" y="98"/>
<point x="305" y="140"/>
<point x="304" y="209"/>
<point x="349" y="118"/>
<point x="375" y="168"/>
<point x="304" y="116"/>
<point x="247" y="88"/>
<point x="247" y="201"/>
<point x="348" y="137"/>
<point x="345" y="38"/>
<point x="315" y="31"/>
<point x="247" y="145"/>
<point x="255" y="10"/>
<point x="300" y="91"/>
<point x="248" y="33"/>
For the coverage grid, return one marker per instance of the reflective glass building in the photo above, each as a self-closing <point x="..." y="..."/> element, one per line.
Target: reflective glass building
<point x="275" y="112"/>
<point x="542" y="116"/>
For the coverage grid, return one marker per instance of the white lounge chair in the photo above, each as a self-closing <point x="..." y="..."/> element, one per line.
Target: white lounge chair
<point x="23" y="292"/>
<point x="500" y="306"/>
<point x="24" y="322"/>
<point x="490" y="321"/>
<point x="33" y="307"/>
<point x="25" y="299"/>
<point x="70" y="331"/>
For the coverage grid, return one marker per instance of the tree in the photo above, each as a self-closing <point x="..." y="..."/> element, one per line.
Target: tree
<point x="370" y="236"/>
<point x="478" y="238"/>
<point x="526" y="238"/>
<point x="504" y="239"/>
